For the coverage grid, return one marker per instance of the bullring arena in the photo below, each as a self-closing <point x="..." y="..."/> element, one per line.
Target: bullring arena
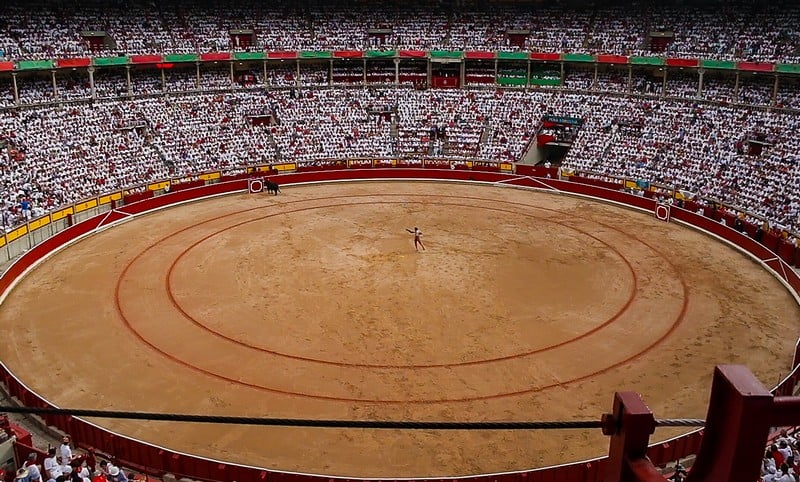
<point x="526" y="305"/>
<point x="609" y="201"/>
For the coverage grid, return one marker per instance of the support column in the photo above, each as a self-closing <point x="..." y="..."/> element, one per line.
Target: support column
<point x="163" y="80"/>
<point x="429" y="76"/>
<point x="563" y="74"/>
<point x="775" y="92"/>
<point x="463" y="73"/>
<point x="16" y="90"/>
<point x="594" y="80"/>
<point x="396" y="72"/>
<point x="128" y="80"/>
<point x="664" y="84"/>
<point x="700" y="83"/>
<point x="55" y="86"/>
<point x="197" y="80"/>
<point x="330" y="73"/>
<point x="297" y="74"/>
<point x="233" y="81"/>
<point x="528" y="78"/>
<point x="495" y="69"/>
<point x="265" y="80"/>
<point x="92" y="90"/>
<point x="364" y="64"/>
<point x="630" y="78"/>
<point x="736" y="89"/>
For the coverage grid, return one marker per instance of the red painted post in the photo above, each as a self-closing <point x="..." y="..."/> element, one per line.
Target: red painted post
<point x="785" y="411"/>
<point x="736" y="429"/>
<point x="630" y="427"/>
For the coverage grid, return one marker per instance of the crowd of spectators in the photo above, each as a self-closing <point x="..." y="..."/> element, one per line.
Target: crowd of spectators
<point x="163" y="123"/>
<point x="50" y="29"/>
<point x="62" y="464"/>
<point x="63" y="152"/>
<point x="780" y="463"/>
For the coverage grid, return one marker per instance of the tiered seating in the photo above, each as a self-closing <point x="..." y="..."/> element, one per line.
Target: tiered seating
<point x="329" y="123"/>
<point x="52" y="29"/>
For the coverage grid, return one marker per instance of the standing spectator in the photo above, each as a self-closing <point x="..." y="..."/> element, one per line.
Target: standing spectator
<point x="783" y="448"/>
<point x="68" y="459"/>
<point x="25" y="205"/>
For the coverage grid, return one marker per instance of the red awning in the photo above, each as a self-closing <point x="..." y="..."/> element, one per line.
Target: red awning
<point x="417" y="54"/>
<point x="348" y="54"/>
<point x="683" y="62"/>
<point x="612" y="59"/>
<point x="79" y="62"/>
<point x="146" y="59"/>
<point x="290" y="54"/>
<point x="6" y="66"/>
<point x="755" y="66"/>
<point x="482" y="55"/>
<point x="215" y="56"/>
<point x="545" y="56"/>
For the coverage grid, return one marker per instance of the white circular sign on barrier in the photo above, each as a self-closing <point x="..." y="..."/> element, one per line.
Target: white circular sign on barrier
<point x="662" y="212"/>
<point x="255" y="185"/>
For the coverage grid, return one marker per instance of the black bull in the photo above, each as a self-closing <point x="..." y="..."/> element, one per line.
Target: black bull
<point x="272" y="187"/>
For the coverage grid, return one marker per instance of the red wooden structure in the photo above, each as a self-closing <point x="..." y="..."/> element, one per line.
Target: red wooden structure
<point x="740" y="414"/>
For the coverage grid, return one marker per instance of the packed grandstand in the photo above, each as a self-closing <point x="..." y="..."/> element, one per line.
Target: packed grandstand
<point x="97" y="97"/>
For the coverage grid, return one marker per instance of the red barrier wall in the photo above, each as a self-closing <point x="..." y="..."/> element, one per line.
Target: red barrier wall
<point x="158" y="461"/>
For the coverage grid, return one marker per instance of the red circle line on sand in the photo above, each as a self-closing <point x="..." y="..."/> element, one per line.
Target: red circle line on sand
<point x="219" y="334"/>
<point x="673" y="327"/>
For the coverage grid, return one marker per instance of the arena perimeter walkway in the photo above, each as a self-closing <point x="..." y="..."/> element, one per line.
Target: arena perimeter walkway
<point x="313" y="304"/>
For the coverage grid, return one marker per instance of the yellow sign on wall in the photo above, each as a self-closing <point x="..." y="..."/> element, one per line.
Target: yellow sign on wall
<point x="210" y="176"/>
<point x="85" y="205"/>
<point x="111" y="197"/>
<point x="2" y="241"/>
<point x="20" y="231"/>
<point x="61" y="214"/>
<point x="158" y="185"/>
<point x="285" y="167"/>
<point x="38" y="223"/>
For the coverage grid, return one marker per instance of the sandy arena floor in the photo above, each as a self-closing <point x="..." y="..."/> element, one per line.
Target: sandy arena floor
<point x="313" y="304"/>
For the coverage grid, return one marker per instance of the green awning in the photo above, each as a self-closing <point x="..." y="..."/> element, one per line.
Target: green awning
<point x="578" y="58"/>
<point x="446" y="54"/>
<point x="512" y="55"/>
<point x="109" y="61"/>
<point x="248" y="55"/>
<point x="647" y="60"/>
<point x="545" y="81"/>
<point x="377" y="54"/>
<point x="718" y="64"/>
<point x="518" y="81"/>
<point x="788" y="68"/>
<point x="315" y="54"/>
<point x="176" y="58"/>
<point x="35" y="64"/>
